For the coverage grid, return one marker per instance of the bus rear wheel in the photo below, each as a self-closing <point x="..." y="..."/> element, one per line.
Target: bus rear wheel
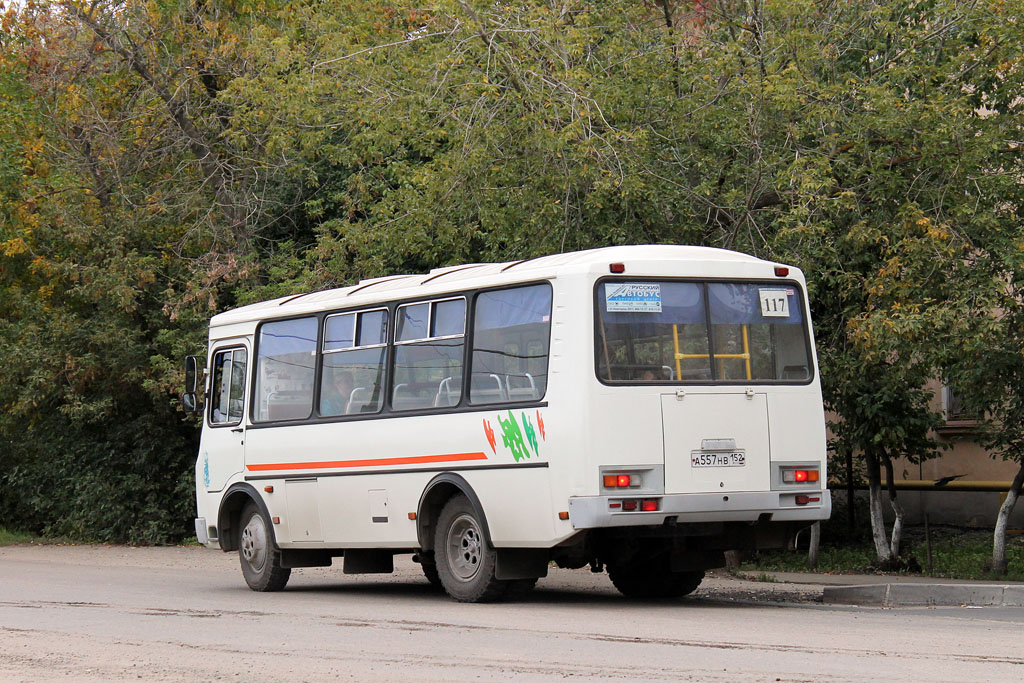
<point x="465" y="560"/>
<point x="653" y="579"/>
<point x="260" y="560"/>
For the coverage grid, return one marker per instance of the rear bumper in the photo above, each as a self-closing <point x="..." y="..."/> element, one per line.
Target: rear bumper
<point x="592" y="512"/>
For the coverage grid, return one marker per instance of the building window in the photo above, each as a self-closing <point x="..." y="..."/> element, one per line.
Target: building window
<point x="953" y="407"/>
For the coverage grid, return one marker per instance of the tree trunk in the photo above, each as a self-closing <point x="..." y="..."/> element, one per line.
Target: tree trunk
<point x="897" y="526"/>
<point x="1002" y="519"/>
<point x="882" y="550"/>
<point x="732" y="560"/>
<point x="812" y="551"/>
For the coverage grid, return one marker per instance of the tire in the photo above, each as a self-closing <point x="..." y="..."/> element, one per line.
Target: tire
<point x="429" y="567"/>
<point x="654" y="579"/>
<point x="259" y="557"/>
<point x="465" y="561"/>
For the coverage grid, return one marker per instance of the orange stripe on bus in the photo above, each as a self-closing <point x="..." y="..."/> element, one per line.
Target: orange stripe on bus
<point x="371" y="462"/>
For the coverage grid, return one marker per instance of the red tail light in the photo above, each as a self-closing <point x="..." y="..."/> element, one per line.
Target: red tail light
<point x="613" y="481"/>
<point x="800" y="476"/>
<point x="622" y="480"/>
<point x="649" y="506"/>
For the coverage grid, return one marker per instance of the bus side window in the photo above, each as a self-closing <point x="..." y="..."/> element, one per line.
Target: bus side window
<point x="511" y="333"/>
<point x="285" y="368"/>
<point x="429" y="342"/>
<point x="353" y="355"/>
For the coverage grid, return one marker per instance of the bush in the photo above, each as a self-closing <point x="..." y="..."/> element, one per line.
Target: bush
<point x="113" y="481"/>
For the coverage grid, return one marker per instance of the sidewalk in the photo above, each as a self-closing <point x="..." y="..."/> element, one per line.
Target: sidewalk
<point x="884" y="590"/>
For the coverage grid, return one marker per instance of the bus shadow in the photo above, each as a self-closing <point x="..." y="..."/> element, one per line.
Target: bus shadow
<point x="555" y="596"/>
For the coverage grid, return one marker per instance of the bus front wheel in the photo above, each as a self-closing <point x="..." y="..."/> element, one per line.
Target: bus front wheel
<point x="260" y="560"/>
<point x="465" y="560"/>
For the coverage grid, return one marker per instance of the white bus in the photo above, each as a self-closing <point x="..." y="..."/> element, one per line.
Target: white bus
<point x="641" y="408"/>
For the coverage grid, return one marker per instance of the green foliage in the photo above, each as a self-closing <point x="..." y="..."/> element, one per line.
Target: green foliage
<point x="161" y="162"/>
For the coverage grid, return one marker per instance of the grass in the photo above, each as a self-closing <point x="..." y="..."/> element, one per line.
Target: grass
<point x="956" y="554"/>
<point x="8" y="537"/>
<point x="15" y="537"/>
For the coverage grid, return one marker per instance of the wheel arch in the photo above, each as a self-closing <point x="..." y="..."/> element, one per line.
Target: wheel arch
<point x="435" y="494"/>
<point x="231" y="506"/>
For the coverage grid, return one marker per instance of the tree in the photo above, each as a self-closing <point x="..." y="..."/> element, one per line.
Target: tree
<point x="127" y="217"/>
<point x="950" y="286"/>
<point x="164" y="161"/>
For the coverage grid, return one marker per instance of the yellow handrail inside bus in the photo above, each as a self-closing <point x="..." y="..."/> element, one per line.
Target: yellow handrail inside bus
<point x="675" y="338"/>
<point x="718" y="356"/>
<point x="746" y="350"/>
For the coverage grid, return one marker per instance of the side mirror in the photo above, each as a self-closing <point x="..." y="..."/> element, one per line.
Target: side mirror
<point x="191" y="374"/>
<point x="188" y="399"/>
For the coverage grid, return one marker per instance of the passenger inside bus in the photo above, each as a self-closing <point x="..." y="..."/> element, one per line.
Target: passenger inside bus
<point x="337" y="394"/>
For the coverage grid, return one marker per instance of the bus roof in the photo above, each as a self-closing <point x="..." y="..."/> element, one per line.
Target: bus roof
<point x="470" y="276"/>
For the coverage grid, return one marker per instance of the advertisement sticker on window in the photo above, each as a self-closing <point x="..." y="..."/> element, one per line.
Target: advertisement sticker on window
<point x="633" y="297"/>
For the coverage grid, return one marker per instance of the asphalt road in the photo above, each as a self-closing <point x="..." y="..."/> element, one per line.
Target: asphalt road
<point x="93" y="613"/>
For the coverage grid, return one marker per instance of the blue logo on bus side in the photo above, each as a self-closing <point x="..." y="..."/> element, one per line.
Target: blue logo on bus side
<point x="206" y="470"/>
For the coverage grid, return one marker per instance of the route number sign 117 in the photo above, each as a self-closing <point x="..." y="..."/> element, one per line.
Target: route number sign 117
<point x="774" y="303"/>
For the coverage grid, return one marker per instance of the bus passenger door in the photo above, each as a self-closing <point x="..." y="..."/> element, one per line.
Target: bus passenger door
<point x="223" y="439"/>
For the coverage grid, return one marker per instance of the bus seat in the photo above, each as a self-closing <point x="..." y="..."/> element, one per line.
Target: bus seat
<point x="359" y="397"/>
<point x="794" y="372"/>
<point x="405" y="397"/>
<point x="521" y="387"/>
<point x="287" y="406"/>
<point x="487" y="388"/>
<point x="448" y="392"/>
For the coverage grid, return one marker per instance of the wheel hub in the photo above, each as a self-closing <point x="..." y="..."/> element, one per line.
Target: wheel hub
<point x="464" y="547"/>
<point x="253" y="543"/>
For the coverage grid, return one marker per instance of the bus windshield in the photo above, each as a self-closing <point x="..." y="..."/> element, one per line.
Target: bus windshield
<point x="667" y="331"/>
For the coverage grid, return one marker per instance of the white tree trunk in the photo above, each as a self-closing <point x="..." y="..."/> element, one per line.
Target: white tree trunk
<point x="1002" y="519"/>
<point x="897" y="508"/>
<point x="897" y="528"/>
<point x="882" y="549"/>
<point x="812" y="551"/>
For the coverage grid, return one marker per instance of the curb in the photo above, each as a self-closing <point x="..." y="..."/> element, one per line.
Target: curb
<point x="925" y="595"/>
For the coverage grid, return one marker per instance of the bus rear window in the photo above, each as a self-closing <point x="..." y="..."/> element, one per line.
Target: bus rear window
<point x="674" y="331"/>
